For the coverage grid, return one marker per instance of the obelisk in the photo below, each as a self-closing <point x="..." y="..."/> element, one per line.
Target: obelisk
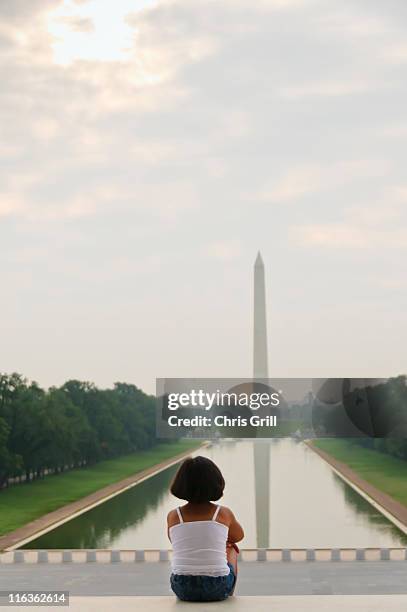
<point x="260" y="365"/>
<point x="261" y="448"/>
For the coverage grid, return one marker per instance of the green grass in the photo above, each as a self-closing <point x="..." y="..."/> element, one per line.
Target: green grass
<point x="23" y="503"/>
<point x="385" y="472"/>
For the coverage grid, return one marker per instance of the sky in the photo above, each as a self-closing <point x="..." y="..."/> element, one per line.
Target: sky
<point x="149" y="149"/>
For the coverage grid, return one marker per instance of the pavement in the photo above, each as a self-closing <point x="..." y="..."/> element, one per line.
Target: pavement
<point x="255" y="578"/>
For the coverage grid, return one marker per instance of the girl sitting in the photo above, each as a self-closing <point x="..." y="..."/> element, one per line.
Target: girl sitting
<point x="203" y="534"/>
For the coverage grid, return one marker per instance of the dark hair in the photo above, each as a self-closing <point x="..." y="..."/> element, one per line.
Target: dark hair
<point x="198" y="480"/>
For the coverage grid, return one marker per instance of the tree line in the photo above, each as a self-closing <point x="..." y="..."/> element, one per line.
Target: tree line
<point x="374" y="416"/>
<point x="77" y="424"/>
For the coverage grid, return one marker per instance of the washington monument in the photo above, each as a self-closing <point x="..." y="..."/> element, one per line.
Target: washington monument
<point x="261" y="449"/>
<point x="260" y="362"/>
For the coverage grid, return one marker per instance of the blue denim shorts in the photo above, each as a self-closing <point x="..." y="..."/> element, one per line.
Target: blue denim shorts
<point x="203" y="588"/>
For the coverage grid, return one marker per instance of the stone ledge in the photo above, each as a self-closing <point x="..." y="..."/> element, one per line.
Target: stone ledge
<point x="284" y="555"/>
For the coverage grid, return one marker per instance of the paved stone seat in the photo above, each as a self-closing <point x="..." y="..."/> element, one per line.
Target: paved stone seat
<point x="319" y="603"/>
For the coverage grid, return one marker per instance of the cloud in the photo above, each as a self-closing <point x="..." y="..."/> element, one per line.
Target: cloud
<point x="10" y="204"/>
<point x="390" y="282"/>
<point x="354" y="23"/>
<point x="308" y="179"/>
<point x="395" y="130"/>
<point x="78" y="24"/>
<point x="400" y="193"/>
<point x="224" y="250"/>
<point x="396" y="53"/>
<point x="377" y="226"/>
<point x="346" y="236"/>
<point x="20" y="11"/>
<point x="326" y="89"/>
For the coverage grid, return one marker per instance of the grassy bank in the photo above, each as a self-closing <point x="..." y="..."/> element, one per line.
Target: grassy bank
<point x="386" y="473"/>
<point x="23" y="503"/>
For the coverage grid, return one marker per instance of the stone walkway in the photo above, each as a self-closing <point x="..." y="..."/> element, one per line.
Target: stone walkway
<point x="255" y="578"/>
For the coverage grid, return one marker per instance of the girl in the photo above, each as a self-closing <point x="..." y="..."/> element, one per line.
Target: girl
<point x="203" y="534"/>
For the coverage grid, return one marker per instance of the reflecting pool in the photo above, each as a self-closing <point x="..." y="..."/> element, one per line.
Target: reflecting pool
<point x="284" y="495"/>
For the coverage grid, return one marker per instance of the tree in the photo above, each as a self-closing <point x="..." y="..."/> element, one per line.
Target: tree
<point x="71" y="426"/>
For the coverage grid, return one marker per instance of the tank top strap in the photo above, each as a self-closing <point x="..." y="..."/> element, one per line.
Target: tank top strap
<point x="215" y="514"/>
<point x="181" y="520"/>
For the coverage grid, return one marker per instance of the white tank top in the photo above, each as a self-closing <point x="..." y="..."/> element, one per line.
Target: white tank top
<point x="199" y="547"/>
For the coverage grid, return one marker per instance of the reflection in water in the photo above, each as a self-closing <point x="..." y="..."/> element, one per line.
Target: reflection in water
<point x="103" y="525"/>
<point x="261" y="452"/>
<point x="364" y="510"/>
<point x="283" y="493"/>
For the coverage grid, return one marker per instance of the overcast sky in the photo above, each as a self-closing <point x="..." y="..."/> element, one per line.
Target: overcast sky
<point x="149" y="149"/>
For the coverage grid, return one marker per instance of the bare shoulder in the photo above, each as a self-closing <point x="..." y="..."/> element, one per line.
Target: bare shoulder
<point x="226" y="511"/>
<point x="226" y="515"/>
<point x="172" y="518"/>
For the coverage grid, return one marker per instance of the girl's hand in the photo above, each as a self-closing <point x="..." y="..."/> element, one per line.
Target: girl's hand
<point x="233" y="545"/>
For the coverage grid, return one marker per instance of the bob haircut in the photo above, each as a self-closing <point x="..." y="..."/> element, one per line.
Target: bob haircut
<point x="198" y="480"/>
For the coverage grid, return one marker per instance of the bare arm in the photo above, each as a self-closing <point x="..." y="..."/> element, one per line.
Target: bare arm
<point x="236" y="532"/>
